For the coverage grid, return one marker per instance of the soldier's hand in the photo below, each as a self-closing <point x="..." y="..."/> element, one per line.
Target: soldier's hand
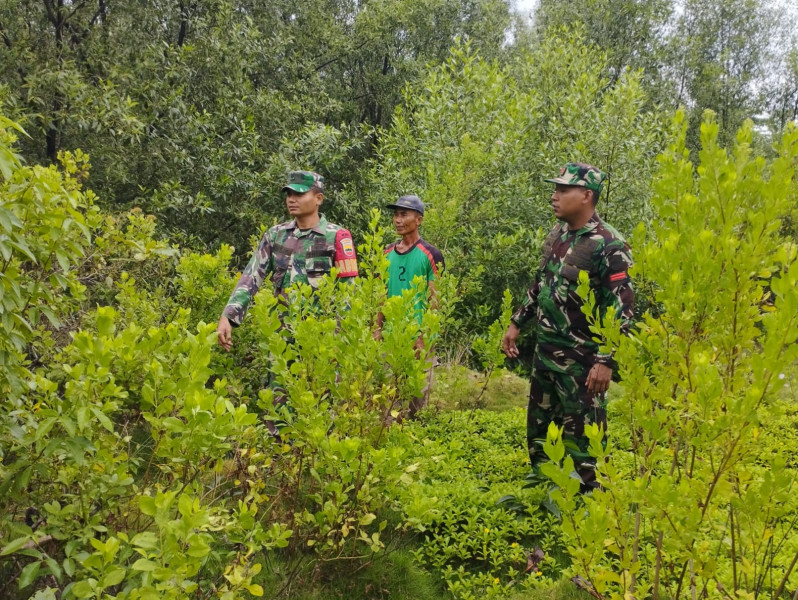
<point x="598" y="379"/>
<point x="509" y="339"/>
<point x="224" y="333"/>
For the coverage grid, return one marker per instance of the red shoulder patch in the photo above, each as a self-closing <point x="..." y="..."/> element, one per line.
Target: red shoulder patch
<point x="345" y="259"/>
<point x="618" y="276"/>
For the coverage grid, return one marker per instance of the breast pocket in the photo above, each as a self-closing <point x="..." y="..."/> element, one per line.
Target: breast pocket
<point x="282" y="264"/>
<point x="569" y="281"/>
<point x="569" y="274"/>
<point x="316" y="269"/>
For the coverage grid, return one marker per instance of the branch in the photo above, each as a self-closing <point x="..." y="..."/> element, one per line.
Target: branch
<point x="787" y="574"/>
<point x="33" y="543"/>
<point x="76" y="9"/>
<point x="340" y="56"/>
<point x="50" y="10"/>
<point x="81" y="33"/>
<point x="181" y="35"/>
<point x="100" y="12"/>
<point x="6" y="39"/>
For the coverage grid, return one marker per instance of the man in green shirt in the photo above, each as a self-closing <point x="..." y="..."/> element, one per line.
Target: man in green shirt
<point x="408" y="258"/>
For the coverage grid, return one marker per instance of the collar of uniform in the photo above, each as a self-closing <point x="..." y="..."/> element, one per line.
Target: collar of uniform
<point x="320" y="228"/>
<point x="592" y="223"/>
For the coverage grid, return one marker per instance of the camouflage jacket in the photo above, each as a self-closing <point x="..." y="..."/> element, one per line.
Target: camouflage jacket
<point x="564" y="341"/>
<point x="292" y="255"/>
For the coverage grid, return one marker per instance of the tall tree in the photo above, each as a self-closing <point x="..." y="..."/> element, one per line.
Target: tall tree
<point x="476" y="138"/>
<point x="702" y="54"/>
<point x="631" y="32"/>
<point x="719" y="53"/>
<point x="782" y="89"/>
<point x="194" y="109"/>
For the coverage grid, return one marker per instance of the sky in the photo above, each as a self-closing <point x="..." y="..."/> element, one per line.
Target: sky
<point x="526" y="7"/>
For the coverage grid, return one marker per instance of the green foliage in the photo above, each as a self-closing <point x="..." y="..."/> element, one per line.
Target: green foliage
<point x="333" y="475"/>
<point x="488" y="349"/>
<point x="195" y="110"/>
<point x="783" y="104"/>
<point x="721" y="52"/>
<point x="476" y="139"/>
<point x="560" y="590"/>
<point x="133" y="468"/>
<point x="632" y="33"/>
<point x="395" y="575"/>
<point x="477" y="526"/>
<point x="46" y="222"/>
<point x="457" y="387"/>
<point x="697" y="508"/>
<point x="735" y="57"/>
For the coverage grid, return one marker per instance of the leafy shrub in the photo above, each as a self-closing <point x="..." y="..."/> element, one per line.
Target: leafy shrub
<point x="45" y="221"/>
<point x="697" y="509"/>
<point x="478" y="526"/>
<point x="475" y="141"/>
<point x="132" y="467"/>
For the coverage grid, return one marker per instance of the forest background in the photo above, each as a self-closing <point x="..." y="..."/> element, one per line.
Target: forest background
<point x="193" y="111"/>
<point x="143" y="145"/>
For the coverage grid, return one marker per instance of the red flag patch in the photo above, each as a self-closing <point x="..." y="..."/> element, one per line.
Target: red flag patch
<point x="618" y="276"/>
<point x="345" y="260"/>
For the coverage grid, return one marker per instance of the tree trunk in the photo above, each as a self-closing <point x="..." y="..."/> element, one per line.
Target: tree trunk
<point x="55" y="15"/>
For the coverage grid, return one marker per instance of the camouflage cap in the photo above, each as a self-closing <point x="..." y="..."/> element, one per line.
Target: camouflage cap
<point x="582" y="175"/>
<point x="303" y="181"/>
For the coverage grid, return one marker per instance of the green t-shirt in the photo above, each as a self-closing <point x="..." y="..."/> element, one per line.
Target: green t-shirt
<point x="423" y="260"/>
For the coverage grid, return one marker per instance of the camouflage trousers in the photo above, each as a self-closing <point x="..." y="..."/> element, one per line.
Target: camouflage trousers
<point x="278" y="400"/>
<point x="565" y="400"/>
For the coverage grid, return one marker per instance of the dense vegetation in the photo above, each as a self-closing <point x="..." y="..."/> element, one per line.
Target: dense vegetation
<point x="141" y="146"/>
<point x="193" y="111"/>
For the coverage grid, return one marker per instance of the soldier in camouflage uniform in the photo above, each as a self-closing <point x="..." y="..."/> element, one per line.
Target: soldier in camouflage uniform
<point x="302" y="250"/>
<point x="570" y="374"/>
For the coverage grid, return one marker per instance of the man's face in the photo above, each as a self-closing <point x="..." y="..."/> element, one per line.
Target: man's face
<point x="569" y="201"/>
<point x="406" y="221"/>
<point x="303" y="205"/>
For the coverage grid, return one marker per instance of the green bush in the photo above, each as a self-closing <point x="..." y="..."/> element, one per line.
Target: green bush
<point x="45" y="221"/>
<point x="132" y="468"/>
<point x="476" y="139"/>
<point x="476" y="522"/>
<point x="703" y="504"/>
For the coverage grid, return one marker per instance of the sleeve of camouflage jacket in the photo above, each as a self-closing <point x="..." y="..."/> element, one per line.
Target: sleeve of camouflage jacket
<point x="617" y="296"/>
<point x="250" y="281"/>
<point x="529" y="307"/>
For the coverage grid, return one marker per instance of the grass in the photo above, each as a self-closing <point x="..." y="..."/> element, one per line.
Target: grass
<point x="398" y="577"/>
<point x="395" y="576"/>
<point x="458" y="388"/>
<point x="563" y="589"/>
